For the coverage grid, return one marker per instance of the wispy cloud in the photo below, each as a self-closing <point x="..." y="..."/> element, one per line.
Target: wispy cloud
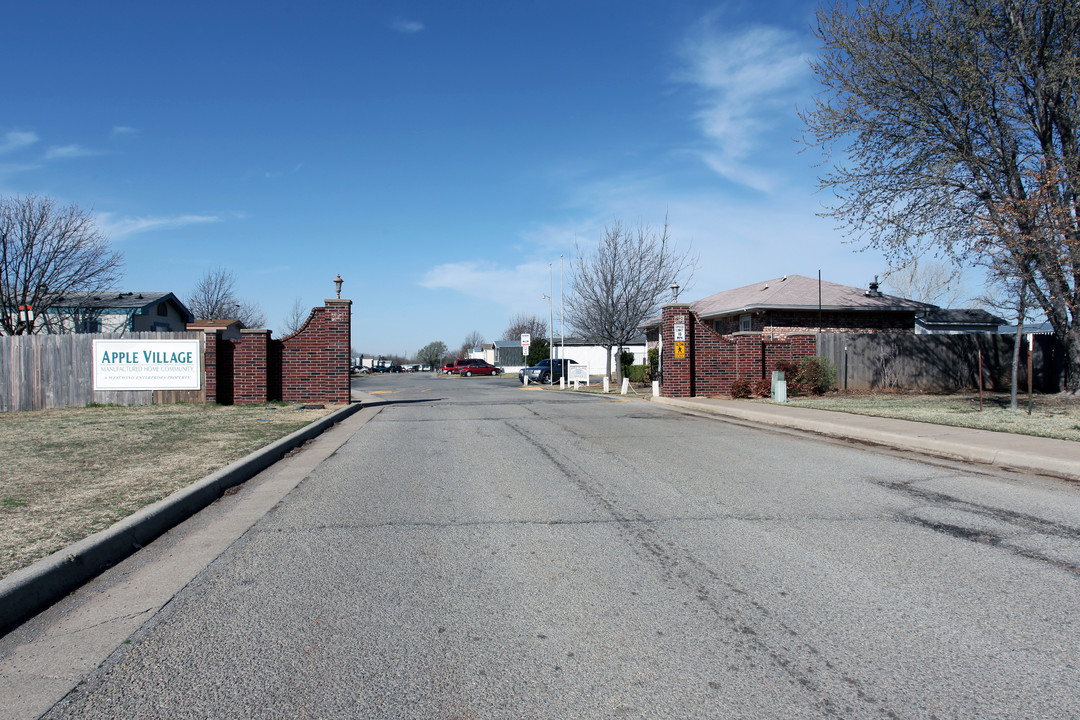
<point x="66" y="152"/>
<point x="120" y="227"/>
<point x="15" y="139"/>
<point x="407" y="26"/>
<point x="484" y="280"/>
<point x="750" y="81"/>
<point x="121" y="130"/>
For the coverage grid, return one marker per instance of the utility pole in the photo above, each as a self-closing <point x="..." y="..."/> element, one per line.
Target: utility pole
<point x="562" y="313"/>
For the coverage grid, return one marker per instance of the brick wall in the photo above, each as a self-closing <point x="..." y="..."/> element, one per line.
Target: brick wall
<point x="714" y="361"/>
<point x="311" y="365"/>
<point x="315" y="359"/>
<point x="779" y="323"/>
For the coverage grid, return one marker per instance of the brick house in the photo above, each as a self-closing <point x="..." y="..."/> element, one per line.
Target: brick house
<point x="708" y="344"/>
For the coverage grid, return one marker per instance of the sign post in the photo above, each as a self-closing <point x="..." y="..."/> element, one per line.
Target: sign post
<point x="526" y="339"/>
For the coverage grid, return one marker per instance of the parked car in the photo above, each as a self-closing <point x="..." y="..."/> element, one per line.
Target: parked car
<point x="546" y="371"/>
<point x="451" y="367"/>
<point x="476" y="367"/>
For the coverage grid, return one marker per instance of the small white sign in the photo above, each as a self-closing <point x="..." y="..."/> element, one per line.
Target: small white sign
<point x="147" y="365"/>
<point x="525" y="340"/>
<point x="679" y="329"/>
<point x="578" y="372"/>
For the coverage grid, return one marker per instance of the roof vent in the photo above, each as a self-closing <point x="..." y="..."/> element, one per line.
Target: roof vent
<point x="873" y="291"/>
<point x="783" y="279"/>
<point x="766" y="286"/>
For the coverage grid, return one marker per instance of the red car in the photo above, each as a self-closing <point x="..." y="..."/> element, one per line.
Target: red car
<point x="451" y="367"/>
<point x="466" y="368"/>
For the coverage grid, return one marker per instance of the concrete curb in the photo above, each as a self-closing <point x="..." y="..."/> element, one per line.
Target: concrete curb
<point x="932" y="440"/>
<point x="28" y="591"/>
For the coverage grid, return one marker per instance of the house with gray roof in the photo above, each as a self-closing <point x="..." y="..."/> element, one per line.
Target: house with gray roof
<point x="940" y="321"/>
<point x="796" y="303"/>
<point x="116" y="313"/>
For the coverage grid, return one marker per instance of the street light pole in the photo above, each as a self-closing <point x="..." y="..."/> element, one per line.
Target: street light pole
<point x="551" y="329"/>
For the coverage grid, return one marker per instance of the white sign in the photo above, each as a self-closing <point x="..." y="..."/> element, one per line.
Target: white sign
<point x="578" y="372"/>
<point x="525" y="340"/>
<point x="147" y="365"/>
<point x="680" y="331"/>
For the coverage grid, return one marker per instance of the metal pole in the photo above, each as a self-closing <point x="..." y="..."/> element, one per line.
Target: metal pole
<point x="562" y="313"/>
<point x="980" y="381"/>
<point x="1031" y="351"/>
<point x="551" y="329"/>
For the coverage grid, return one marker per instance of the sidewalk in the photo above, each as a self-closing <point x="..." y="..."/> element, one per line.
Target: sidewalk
<point x="1045" y="456"/>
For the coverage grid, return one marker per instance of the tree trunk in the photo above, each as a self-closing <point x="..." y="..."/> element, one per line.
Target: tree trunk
<point x="1072" y="360"/>
<point x="607" y="369"/>
<point x="1016" y="364"/>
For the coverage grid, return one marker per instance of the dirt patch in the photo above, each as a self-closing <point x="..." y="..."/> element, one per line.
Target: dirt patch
<point x="72" y="472"/>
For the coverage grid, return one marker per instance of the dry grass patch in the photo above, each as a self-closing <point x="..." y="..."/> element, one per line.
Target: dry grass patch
<point x="1053" y="416"/>
<point x="72" y="472"/>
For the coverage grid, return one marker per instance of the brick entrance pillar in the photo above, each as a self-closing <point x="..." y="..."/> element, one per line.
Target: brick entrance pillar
<point x="678" y="378"/>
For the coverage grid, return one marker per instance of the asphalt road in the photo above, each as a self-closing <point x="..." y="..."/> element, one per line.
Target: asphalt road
<point x="478" y="550"/>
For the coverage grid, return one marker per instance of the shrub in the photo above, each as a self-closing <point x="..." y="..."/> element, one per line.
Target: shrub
<point x="742" y="388"/>
<point x="763" y="388"/>
<point x="636" y="373"/>
<point x="654" y="363"/>
<point x="816" y="374"/>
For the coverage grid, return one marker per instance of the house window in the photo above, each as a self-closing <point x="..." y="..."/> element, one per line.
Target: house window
<point x="91" y="325"/>
<point x="745" y="324"/>
<point x="162" y="310"/>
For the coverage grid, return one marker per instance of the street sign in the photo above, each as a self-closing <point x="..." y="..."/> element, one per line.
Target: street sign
<point x="679" y="330"/>
<point x="525" y="340"/>
<point x="680" y="351"/>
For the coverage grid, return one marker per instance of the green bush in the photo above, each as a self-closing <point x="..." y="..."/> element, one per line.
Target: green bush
<point x="636" y="373"/>
<point x="810" y="375"/>
<point x="817" y="374"/>
<point x="654" y="363"/>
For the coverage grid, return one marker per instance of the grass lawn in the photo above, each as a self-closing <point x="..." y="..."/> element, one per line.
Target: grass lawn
<point x="72" y="472"/>
<point x="1053" y="416"/>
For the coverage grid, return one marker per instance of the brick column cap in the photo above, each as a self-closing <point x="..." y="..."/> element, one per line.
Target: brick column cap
<point x="337" y="301"/>
<point x="253" y="331"/>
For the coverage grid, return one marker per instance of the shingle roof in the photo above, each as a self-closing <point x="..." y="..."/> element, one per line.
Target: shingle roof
<point x="798" y="292"/>
<point x="129" y="300"/>
<point x="963" y="316"/>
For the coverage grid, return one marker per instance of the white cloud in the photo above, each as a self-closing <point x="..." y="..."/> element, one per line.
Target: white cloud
<point x="121" y="227"/>
<point x="407" y="26"/>
<point x="750" y="82"/>
<point x="123" y="130"/>
<point x="65" y="152"/>
<point x="15" y="140"/>
<point x="487" y="281"/>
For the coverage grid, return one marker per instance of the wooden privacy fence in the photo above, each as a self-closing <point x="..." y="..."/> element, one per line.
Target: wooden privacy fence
<point x="53" y="371"/>
<point x="939" y="363"/>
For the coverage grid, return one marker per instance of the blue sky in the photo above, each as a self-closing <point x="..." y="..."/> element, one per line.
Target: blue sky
<point x="438" y="155"/>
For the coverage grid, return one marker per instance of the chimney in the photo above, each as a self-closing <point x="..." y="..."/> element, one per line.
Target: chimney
<point x="873" y="291"/>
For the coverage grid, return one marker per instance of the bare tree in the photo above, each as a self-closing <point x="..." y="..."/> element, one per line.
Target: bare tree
<point x="214" y="298"/>
<point x="472" y="341"/>
<point x="47" y="251"/>
<point x="523" y="323"/>
<point x="945" y="113"/>
<point x="617" y="285"/>
<point x="927" y="281"/>
<point x="295" y="318"/>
